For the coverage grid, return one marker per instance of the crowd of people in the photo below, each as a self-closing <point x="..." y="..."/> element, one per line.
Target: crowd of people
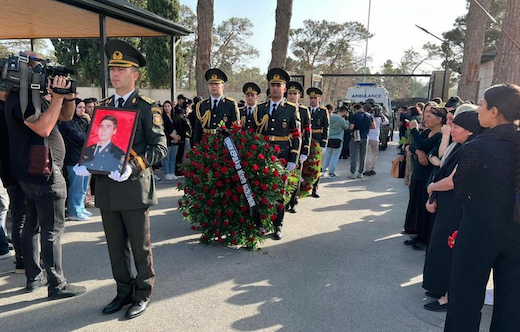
<point x="462" y="171"/>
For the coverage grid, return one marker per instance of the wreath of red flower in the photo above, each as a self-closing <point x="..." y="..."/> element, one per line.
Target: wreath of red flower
<point x="311" y="170"/>
<point x="452" y="238"/>
<point x="214" y="201"/>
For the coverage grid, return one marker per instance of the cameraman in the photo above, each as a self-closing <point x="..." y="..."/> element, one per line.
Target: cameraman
<point x="37" y="152"/>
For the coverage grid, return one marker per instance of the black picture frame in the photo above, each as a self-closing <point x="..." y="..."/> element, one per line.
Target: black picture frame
<point x="113" y="156"/>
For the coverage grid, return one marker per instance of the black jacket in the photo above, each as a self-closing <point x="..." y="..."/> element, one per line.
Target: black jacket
<point x="74" y="133"/>
<point x="485" y="180"/>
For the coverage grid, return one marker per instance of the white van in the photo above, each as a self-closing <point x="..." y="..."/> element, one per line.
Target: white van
<point x="364" y="91"/>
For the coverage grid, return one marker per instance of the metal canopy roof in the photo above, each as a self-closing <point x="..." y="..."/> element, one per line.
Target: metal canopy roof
<point x="37" y="19"/>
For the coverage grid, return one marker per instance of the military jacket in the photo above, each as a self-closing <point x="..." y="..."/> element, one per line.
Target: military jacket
<point x="246" y="121"/>
<point x="108" y="159"/>
<point x="283" y="127"/>
<point x="149" y="147"/>
<point x="208" y="121"/>
<point x="320" y="126"/>
<point x="305" y="117"/>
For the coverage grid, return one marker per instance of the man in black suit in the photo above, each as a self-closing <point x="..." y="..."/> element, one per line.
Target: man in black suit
<point x="105" y="156"/>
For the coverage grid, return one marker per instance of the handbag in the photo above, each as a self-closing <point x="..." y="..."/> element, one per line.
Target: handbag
<point x="398" y="167"/>
<point x="39" y="161"/>
<point x="334" y="143"/>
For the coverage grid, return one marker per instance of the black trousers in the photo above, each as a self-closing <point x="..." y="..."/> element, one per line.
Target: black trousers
<point x="17" y="206"/>
<point x="45" y="219"/>
<point x="121" y="229"/>
<point x="477" y="251"/>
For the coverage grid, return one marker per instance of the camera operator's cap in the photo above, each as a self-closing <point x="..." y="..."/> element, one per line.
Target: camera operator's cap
<point x="121" y="54"/>
<point x="278" y="75"/>
<point x="314" y="92"/>
<point x="215" y="75"/>
<point x="294" y="87"/>
<point x="251" y="87"/>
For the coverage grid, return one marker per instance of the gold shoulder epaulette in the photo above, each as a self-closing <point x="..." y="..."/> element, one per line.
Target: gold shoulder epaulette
<point x="303" y="106"/>
<point x="292" y="104"/>
<point x="146" y="99"/>
<point x="107" y="99"/>
<point x="323" y="108"/>
<point x="229" y="98"/>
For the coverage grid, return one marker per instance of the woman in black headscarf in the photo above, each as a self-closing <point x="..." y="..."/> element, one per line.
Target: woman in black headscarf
<point x="447" y="217"/>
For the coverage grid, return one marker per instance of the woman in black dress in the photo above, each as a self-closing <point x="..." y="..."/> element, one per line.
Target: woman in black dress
<point x="417" y="218"/>
<point x="447" y="217"/>
<point x="489" y="235"/>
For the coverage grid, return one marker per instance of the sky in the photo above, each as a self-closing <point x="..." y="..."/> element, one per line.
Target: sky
<point x="392" y="22"/>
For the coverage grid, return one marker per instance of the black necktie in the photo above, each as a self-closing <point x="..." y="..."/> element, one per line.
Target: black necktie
<point x="98" y="149"/>
<point x="274" y="109"/>
<point x="215" y="101"/>
<point x="120" y="102"/>
<point x="249" y="111"/>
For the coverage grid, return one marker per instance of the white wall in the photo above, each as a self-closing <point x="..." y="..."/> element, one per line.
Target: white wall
<point x="485" y="77"/>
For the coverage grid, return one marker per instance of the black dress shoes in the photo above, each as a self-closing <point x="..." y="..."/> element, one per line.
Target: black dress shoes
<point x="292" y="209"/>
<point x="436" y="306"/>
<point x="411" y="241"/>
<point x="117" y="304"/>
<point x="278" y="234"/>
<point x="137" y="309"/>
<point x="315" y="195"/>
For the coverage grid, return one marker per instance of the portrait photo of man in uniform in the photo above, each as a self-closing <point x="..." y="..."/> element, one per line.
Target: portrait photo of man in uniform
<point x="108" y="140"/>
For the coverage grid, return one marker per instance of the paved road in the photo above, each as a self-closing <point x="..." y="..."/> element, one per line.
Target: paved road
<point x="340" y="267"/>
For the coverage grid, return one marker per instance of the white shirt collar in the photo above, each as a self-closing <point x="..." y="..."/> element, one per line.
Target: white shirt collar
<point x="102" y="147"/>
<point x="213" y="100"/>
<point x="125" y="97"/>
<point x="271" y="102"/>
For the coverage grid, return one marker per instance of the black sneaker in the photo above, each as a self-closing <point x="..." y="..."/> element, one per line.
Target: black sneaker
<point x="66" y="292"/>
<point x="36" y="284"/>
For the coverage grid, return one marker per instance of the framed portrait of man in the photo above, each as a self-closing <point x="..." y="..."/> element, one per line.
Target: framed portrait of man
<point x="109" y="139"/>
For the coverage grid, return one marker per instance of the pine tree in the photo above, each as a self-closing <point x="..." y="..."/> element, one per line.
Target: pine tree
<point x="158" y="54"/>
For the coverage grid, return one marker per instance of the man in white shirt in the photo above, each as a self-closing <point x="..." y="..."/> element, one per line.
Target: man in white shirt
<point x="373" y="140"/>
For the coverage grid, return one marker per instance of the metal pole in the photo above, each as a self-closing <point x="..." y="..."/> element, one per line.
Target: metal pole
<point x="174" y="68"/>
<point x="104" y="60"/>
<point x="32" y="45"/>
<point x="366" y="47"/>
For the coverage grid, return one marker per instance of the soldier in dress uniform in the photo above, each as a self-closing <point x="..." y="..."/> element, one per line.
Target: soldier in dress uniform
<point x="217" y="108"/>
<point x="124" y="198"/>
<point x="320" y="125"/>
<point x="252" y="91"/>
<point x="294" y="92"/>
<point x="280" y="120"/>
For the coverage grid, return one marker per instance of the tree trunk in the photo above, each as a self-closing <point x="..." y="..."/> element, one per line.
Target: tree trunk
<point x="205" y="17"/>
<point x="281" y="34"/>
<point x="508" y="56"/>
<point x="477" y="22"/>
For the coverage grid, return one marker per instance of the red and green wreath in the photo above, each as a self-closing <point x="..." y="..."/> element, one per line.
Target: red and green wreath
<point x="311" y="170"/>
<point x="214" y="201"/>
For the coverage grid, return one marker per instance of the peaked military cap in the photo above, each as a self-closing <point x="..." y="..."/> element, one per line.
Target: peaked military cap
<point x="121" y="54"/>
<point x="294" y="87"/>
<point x="215" y="75"/>
<point x="251" y="87"/>
<point x="314" y="92"/>
<point x="278" y="75"/>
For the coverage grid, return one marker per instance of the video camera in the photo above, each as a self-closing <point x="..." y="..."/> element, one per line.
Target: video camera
<point x="16" y="75"/>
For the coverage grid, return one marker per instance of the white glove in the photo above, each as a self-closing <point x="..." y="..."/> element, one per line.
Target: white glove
<point x="291" y="166"/>
<point x="303" y="158"/>
<point x="118" y="177"/>
<point x="81" y="170"/>
<point x="323" y="150"/>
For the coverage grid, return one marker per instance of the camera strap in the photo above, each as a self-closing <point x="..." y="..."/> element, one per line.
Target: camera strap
<point x="36" y="99"/>
<point x="23" y="62"/>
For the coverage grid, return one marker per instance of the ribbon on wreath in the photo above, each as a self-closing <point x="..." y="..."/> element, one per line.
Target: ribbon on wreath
<point x="248" y="192"/>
